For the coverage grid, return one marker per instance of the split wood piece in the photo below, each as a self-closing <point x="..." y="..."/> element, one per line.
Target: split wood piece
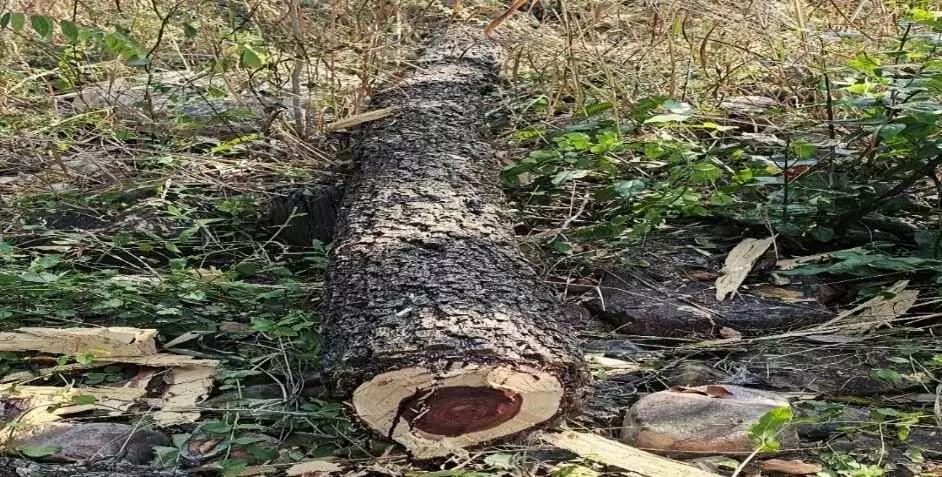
<point x="188" y="386"/>
<point x="606" y="451"/>
<point x="738" y="264"/>
<point x="42" y="405"/>
<point x="432" y="316"/>
<point x="101" y="342"/>
<point x="159" y="360"/>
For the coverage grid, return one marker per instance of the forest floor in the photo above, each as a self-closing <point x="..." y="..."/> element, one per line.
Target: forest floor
<point x="166" y="167"/>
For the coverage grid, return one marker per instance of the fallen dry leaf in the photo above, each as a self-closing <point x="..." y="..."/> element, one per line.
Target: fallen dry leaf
<point x="712" y="390"/>
<point x="727" y="332"/>
<point x="738" y="264"/>
<point x="877" y="311"/>
<point x="790" y="467"/>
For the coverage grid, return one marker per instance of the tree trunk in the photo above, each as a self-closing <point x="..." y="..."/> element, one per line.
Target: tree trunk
<point x="433" y="320"/>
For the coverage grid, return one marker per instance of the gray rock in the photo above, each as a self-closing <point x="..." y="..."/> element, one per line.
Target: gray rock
<point x="90" y="441"/>
<point x="706" y="419"/>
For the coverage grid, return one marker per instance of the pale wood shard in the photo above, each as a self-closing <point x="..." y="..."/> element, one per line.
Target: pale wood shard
<point x="738" y="264"/>
<point x="359" y="119"/>
<point x="878" y="311"/>
<point x="612" y="366"/>
<point x="161" y="360"/>
<point x="188" y="386"/>
<point x="100" y="342"/>
<point x="606" y="451"/>
<point x="313" y="467"/>
<point x="47" y="404"/>
<point x="790" y="467"/>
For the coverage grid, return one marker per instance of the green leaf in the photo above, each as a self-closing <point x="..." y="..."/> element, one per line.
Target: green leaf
<point x="822" y="234"/>
<point x="802" y="150"/>
<point x="84" y="358"/>
<point x="864" y="64"/>
<point x="18" y="21"/>
<point x="216" y="427"/>
<point x="566" y="176"/>
<point x="249" y="59"/>
<point x="42" y="24"/>
<point x="629" y="188"/>
<point x="166" y="457"/>
<point x="38" y="451"/>
<point x="705" y="173"/>
<point x="45" y="262"/>
<point x="84" y="399"/>
<point x="501" y="461"/>
<point x="887" y="375"/>
<point x="232" y="467"/>
<point x="69" y="30"/>
<point x="189" y="31"/>
<point x="5" y="20"/>
<point x="764" y="434"/>
<point x="667" y="118"/>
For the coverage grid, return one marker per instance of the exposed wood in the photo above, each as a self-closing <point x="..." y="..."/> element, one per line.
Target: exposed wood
<point x="432" y="316"/>
<point x="359" y="119"/>
<point x="606" y="451"/>
<point x="44" y="405"/>
<point x="188" y="385"/>
<point x="100" y="342"/>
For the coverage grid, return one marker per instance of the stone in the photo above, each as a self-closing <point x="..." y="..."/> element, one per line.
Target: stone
<point x="704" y="419"/>
<point x="95" y="440"/>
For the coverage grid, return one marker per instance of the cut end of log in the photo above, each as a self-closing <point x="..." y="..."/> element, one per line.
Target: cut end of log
<point x="459" y="410"/>
<point x="435" y="414"/>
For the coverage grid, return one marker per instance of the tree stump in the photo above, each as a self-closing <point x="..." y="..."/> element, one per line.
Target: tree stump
<point x="433" y="320"/>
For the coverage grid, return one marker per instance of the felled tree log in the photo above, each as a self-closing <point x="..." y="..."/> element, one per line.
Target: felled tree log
<point x="433" y="320"/>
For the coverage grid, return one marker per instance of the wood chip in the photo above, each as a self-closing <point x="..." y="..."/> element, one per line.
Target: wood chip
<point x="313" y="467"/>
<point x="161" y="360"/>
<point x="877" y="311"/>
<point x="790" y="467"/>
<point x="606" y="451"/>
<point x="47" y="404"/>
<point x="618" y="366"/>
<point x="359" y="119"/>
<point x="188" y="385"/>
<point x="100" y="342"/>
<point x="738" y="264"/>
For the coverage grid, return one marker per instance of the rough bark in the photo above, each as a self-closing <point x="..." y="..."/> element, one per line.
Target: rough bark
<point x="432" y="315"/>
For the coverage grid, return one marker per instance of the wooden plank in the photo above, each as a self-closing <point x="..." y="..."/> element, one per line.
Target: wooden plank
<point x="606" y="451"/>
<point x="99" y="342"/>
